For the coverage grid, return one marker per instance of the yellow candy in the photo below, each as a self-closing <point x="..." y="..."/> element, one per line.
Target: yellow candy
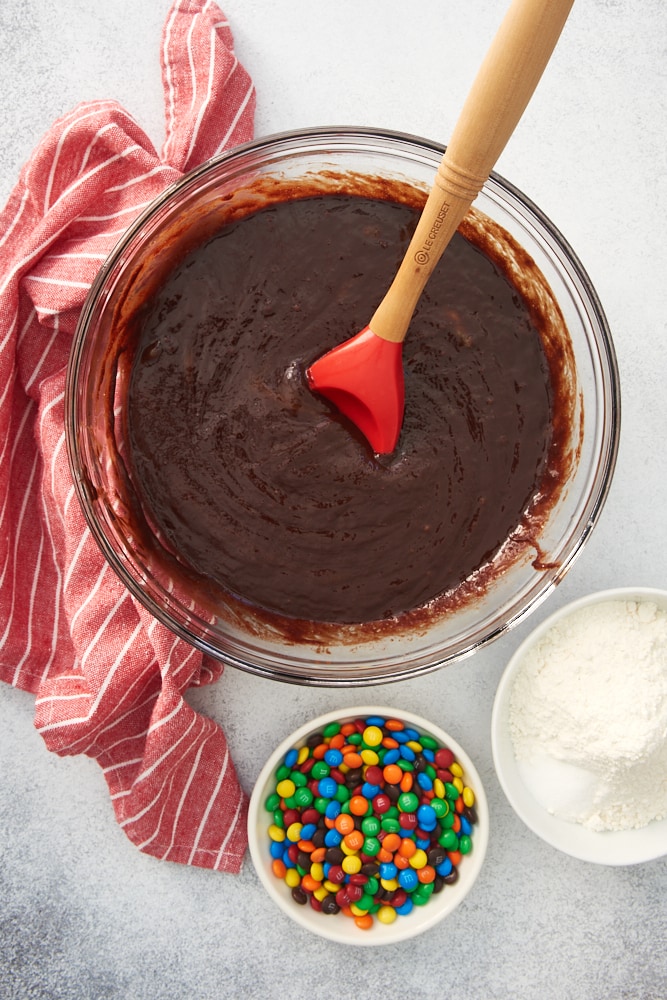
<point x="468" y="797"/>
<point x="292" y="878"/>
<point x="357" y="910"/>
<point x="418" y="859"/>
<point x="317" y="871"/>
<point x="294" y="832"/>
<point x="457" y="783"/>
<point x="285" y="788"/>
<point x="303" y="755"/>
<point x="456" y="769"/>
<point x="321" y="893"/>
<point x="390" y="884"/>
<point x="372" y="736"/>
<point x="386" y="914"/>
<point x="330" y="886"/>
<point x="351" y="864"/>
<point x="276" y="833"/>
<point x="369" y="757"/>
<point x="439" y="788"/>
<point x="414" y="745"/>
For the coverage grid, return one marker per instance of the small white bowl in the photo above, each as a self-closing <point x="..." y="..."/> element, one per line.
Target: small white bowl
<point x="339" y="927"/>
<point x="623" y="847"/>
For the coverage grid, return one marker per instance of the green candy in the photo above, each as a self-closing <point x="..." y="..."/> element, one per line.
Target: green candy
<point x="371" y="846"/>
<point x="465" y="844"/>
<point x="332" y="729"/>
<point x="272" y="802"/>
<point x="440" y="807"/>
<point x="447" y="821"/>
<point x="303" y="797"/>
<point x="449" y="840"/>
<point x="408" y="802"/>
<point x="390" y="824"/>
<point x="422" y="894"/>
<point x="370" y="826"/>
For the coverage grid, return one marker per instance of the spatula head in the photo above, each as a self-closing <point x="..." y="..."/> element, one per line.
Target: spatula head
<point x="363" y="378"/>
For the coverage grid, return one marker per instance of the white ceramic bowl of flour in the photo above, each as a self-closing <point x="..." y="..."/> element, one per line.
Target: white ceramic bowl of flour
<point x="579" y="728"/>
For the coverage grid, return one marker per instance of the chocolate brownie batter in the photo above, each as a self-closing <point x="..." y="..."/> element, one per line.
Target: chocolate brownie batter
<point x="261" y="486"/>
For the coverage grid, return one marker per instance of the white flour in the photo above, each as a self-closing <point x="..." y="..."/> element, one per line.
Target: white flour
<point x="588" y="716"/>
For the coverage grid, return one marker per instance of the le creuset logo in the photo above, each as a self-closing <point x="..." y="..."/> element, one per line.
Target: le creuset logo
<point x="423" y="254"/>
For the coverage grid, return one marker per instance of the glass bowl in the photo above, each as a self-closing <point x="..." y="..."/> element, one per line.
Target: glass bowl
<point x="184" y="216"/>
<point x="339" y="927"/>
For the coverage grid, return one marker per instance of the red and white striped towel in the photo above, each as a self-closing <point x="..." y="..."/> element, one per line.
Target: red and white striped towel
<point x="108" y="679"/>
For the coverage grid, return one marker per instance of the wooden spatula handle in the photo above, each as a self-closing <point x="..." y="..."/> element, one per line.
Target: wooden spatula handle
<point x="502" y="88"/>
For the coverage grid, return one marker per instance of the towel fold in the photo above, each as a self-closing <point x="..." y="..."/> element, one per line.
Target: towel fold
<point x="108" y="678"/>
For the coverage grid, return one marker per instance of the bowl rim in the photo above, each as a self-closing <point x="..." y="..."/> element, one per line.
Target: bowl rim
<point x="365" y="669"/>
<point x="610" y="847"/>
<point x="343" y="931"/>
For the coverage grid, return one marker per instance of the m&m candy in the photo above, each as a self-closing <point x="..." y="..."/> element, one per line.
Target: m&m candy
<point x="369" y="819"/>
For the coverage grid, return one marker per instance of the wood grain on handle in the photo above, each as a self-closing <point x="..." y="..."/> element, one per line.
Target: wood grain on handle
<point x="502" y="88"/>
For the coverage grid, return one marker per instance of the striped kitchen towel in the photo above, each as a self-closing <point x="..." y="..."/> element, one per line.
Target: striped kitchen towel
<point x="108" y="679"/>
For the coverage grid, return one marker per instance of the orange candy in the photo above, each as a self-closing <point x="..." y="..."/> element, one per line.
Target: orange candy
<point x="309" y="883"/>
<point x="426" y="874"/>
<point x="278" y="868"/>
<point x="344" y="823"/>
<point x="454" y="857"/>
<point x="391" y="842"/>
<point x="358" y="805"/>
<point x="392" y="774"/>
<point x="353" y="759"/>
<point x="354" y="840"/>
<point x="406" y="782"/>
<point x="394" y="725"/>
<point x="407" y="848"/>
<point x="364" y="921"/>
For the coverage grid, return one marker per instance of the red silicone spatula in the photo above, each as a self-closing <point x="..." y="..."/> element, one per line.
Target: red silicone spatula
<point x="363" y="376"/>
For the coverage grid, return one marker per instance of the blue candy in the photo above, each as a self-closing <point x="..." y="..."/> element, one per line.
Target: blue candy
<point x="388" y="870"/>
<point x="408" y="879"/>
<point x="333" y="809"/>
<point x="444" y="868"/>
<point x="327" y="787"/>
<point x="332" y="838"/>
